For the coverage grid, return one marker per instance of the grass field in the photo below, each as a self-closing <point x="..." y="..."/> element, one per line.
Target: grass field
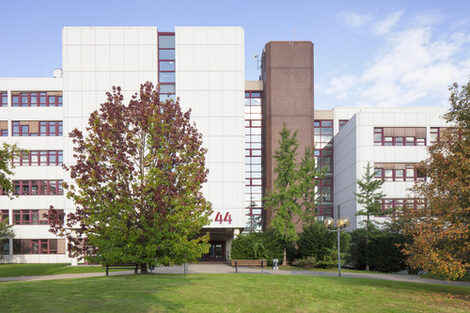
<point x="230" y="293"/>
<point x="10" y="270"/>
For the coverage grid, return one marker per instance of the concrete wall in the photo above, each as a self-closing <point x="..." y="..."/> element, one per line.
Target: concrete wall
<point x="210" y="80"/>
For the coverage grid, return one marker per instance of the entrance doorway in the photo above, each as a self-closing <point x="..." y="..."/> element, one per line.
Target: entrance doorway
<point x="216" y="251"/>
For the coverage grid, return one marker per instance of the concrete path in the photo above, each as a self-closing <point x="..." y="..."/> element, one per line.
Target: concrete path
<point x="225" y="269"/>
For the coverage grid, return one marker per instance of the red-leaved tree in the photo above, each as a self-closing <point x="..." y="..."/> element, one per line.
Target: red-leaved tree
<point x="137" y="184"/>
<point x="440" y="230"/>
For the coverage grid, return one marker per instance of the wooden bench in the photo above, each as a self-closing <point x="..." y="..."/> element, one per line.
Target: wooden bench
<point x="249" y="263"/>
<point x="122" y="266"/>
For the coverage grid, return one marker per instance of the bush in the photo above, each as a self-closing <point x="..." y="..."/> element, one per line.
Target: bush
<point x="257" y="246"/>
<point x="318" y="242"/>
<point x="308" y="262"/>
<point x="383" y="253"/>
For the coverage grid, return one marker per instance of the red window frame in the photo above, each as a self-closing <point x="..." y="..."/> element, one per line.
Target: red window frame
<point x="341" y="123"/>
<point x="169" y="95"/>
<point x="36" y="99"/>
<point x="29" y="217"/>
<point x="253" y="160"/>
<point x="3" y="99"/>
<point x="437" y="132"/>
<point x="398" y="175"/>
<point x="37" y="187"/>
<point x="39" y="158"/>
<point x="381" y="140"/>
<point x="4" y="216"/>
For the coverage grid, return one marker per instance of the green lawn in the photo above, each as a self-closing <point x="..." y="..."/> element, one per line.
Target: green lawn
<point x="343" y="270"/>
<point x="9" y="270"/>
<point x="230" y="293"/>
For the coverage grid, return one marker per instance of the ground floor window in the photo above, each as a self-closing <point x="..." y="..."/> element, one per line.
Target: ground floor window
<point x="38" y="246"/>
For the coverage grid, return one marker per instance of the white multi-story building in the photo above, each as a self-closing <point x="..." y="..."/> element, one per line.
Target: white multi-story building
<point x="239" y="120"/>
<point x="204" y="66"/>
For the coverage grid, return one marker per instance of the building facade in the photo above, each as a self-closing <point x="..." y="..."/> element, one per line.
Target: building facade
<point x="240" y="122"/>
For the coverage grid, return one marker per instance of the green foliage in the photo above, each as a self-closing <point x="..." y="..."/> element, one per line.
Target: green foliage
<point x="370" y="196"/>
<point x="318" y="242"/>
<point x="6" y="167"/>
<point x="294" y="195"/>
<point x="307" y="263"/>
<point x="441" y="228"/>
<point x="381" y="251"/>
<point x="137" y="184"/>
<point x="257" y="246"/>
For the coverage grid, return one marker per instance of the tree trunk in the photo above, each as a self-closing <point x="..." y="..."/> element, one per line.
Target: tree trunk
<point x="143" y="269"/>
<point x="284" y="259"/>
<point x="367" y="243"/>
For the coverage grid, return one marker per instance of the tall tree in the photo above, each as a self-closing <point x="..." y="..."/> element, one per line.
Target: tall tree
<point x="293" y="196"/>
<point x="6" y="167"/>
<point x="6" y="171"/>
<point x="137" y="184"/>
<point x="369" y="196"/>
<point x="441" y="229"/>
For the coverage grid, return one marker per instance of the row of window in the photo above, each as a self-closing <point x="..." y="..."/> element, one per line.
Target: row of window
<point x="37" y="128"/>
<point x="407" y="173"/>
<point x="253" y="160"/>
<point x="397" y="204"/>
<point x="323" y="139"/>
<point x="27" y="217"/>
<point x="32" y="99"/>
<point x="37" y="187"/>
<point x="166" y="66"/>
<point x="39" y="158"/>
<point x="400" y="136"/>
<point x="38" y="246"/>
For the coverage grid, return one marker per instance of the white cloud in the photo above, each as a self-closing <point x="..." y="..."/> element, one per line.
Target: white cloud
<point x="385" y="26"/>
<point x="354" y="19"/>
<point x="413" y="67"/>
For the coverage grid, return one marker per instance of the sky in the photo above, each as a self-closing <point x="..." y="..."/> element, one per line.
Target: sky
<point x="366" y="53"/>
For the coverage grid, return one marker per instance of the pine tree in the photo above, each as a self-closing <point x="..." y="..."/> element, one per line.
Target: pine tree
<point x="370" y="196"/>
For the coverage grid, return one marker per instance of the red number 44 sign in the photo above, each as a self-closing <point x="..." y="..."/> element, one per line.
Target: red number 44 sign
<point x="221" y="219"/>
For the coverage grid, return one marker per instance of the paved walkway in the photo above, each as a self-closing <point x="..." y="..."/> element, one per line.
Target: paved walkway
<point x="225" y="269"/>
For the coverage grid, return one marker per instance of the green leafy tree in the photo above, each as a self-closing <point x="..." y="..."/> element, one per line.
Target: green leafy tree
<point x="6" y="167"/>
<point x="294" y="194"/>
<point x="370" y="196"/>
<point x="137" y="184"/>
<point x="6" y="171"/>
<point x="440" y="230"/>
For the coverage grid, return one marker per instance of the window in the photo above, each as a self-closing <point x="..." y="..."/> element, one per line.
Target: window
<point x="4" y="216"/>
<point x="397" y="204"/>
<point x="341" y="123"/>
<point x="39" y="158"/>
<point x="38" y="246"/>
<point x="399" y="136"/>
<point x="166" y="66"/>
<point x="31" y="217"/>
<point x="435" y="134"/>
<point x="4" y="246"/>
<point x="253" y="161"/>
<point x="35" y="128"/>
<point x="3" y="99"/>
<point x="398" y="172"/>
<point x="36" y="99"/>
<point x="323" y="152"/>
<point x="37" y="187"/>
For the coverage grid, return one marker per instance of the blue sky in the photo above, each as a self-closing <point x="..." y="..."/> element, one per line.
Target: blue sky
<point x="373" y="53"/>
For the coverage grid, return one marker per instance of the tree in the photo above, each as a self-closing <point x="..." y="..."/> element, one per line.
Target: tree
<point x="6" y="167"/>
<point x="6" y="170"/>
<point x="137" y="184"/>
<point x="440" y="229"/>
<point x="369" y="196"/>
<point x="293" y="196"/>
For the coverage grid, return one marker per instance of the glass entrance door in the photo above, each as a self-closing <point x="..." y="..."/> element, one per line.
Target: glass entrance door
<point x="216" y="252"/>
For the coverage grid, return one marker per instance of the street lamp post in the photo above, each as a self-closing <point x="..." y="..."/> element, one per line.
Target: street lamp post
<point x="337" y="226"/>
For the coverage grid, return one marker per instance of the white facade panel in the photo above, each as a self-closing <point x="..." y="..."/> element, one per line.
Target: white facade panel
<point x="210" y="81"/>
<point x="354" y="147"/>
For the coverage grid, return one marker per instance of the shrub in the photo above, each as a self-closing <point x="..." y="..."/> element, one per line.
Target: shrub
<point x="257" y="246"/>
<point x="318" y="242"/>
<point x="383" y="251"/>
<point x="308" y="262"/>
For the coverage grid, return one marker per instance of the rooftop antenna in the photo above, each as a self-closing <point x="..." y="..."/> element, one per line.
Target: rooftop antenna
<point x="293" y="37"/>
<point x="258" y="66"/>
